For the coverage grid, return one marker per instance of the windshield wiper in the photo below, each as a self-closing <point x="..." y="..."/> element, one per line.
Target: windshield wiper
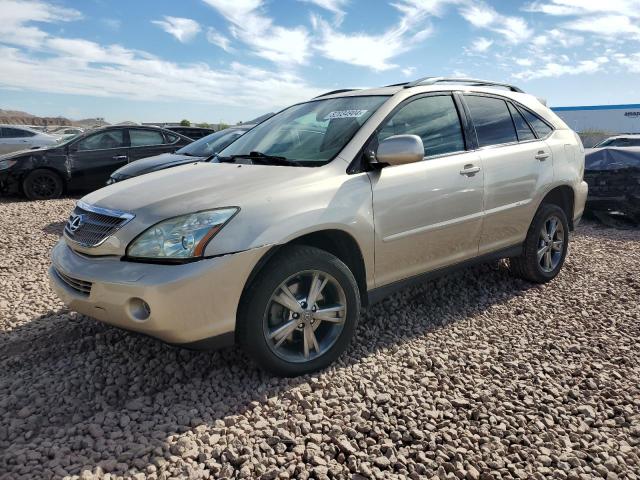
<point x="263" y="158"/>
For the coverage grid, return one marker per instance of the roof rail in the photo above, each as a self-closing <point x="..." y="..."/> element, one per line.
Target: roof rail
<point x="469" y="81"/>
<point x="342" y="90"/>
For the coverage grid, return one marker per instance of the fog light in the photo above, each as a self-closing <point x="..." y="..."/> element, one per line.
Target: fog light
<point x="140" y="310"/>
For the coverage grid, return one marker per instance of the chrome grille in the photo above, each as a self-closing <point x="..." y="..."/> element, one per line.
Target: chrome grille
<point x="80" y="286"/>
<point x="89" y="226"/>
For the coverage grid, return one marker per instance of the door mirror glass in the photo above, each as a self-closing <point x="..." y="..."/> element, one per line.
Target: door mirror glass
<point x="400" y="149"/>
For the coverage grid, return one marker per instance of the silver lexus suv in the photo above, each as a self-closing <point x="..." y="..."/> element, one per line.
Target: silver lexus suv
<point x="320" y="211"/>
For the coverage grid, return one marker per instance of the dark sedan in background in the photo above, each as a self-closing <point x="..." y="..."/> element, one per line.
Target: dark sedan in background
<point x="194" y="133"/>
<point x="84" y="162"/>
<point x="194" y="152"/>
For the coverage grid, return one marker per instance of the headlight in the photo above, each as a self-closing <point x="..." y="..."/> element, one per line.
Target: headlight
<point x="181" y="237"/>
<point x="4" y="164"/>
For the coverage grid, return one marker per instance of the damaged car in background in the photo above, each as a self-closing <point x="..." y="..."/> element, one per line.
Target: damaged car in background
<point x="613" y="175"/>
<point x="84" y="162"/>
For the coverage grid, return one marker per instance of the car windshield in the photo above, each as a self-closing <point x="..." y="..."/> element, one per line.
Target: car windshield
<point x="211" y="144"/>
<point x="311" y="133"/>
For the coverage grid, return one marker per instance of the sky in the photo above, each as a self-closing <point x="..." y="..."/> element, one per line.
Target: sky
<point x="232" y="60"/>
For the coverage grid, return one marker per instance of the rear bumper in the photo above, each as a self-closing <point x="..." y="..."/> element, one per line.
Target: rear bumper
<point x="580" y="200"/>
<point x="186" y="303"/>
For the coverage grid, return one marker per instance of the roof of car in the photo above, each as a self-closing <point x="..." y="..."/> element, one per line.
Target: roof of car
<point x="625" y="135"/>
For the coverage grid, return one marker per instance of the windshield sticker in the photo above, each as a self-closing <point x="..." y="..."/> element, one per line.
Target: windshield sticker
<point x="345" y="114"/>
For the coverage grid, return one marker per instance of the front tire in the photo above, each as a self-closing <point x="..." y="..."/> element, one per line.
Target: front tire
<point x="42" y="184"/>
<point x="301" y="312"/>
<point x="545" y="247"/>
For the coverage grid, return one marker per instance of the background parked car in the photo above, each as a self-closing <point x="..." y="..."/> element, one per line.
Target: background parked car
<point x="194" y="133"/>
<point x="620" y="141"/>
<point x="84" y="162"/>
<point x="17" y="137"/>
<point x="194" y="152"/>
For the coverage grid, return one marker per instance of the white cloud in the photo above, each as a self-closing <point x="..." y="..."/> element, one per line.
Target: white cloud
<point x="524" y="62"/>
<point x="184" y="29"/>
<point x="376" y="51"/>
<point x="481" y="45"/>
<point x="408" y="72"/>
<point x="284" y="46"/>
<point x="334" y="6"/>
<point x="607" y="25"/>
<point x="585" y="7"/>
<point x="218" y="39"/>
<point x="556" y="37"/>
<point x="514" y="29"/>
<point x="17" y="13"/>
<point x="554" y="69"/>
<point x="631" y="62"/>
<point x="83" y="67"/>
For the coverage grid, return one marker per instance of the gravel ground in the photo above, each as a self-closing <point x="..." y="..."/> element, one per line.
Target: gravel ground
<point x="475" y="376"/>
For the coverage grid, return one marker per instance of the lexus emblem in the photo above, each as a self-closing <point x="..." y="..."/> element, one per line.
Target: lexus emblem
<point x="75" y="222"/>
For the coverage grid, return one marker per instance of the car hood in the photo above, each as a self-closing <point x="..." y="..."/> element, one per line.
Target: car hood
<point x="152" y="164"/>
<point x="199" y="186"/>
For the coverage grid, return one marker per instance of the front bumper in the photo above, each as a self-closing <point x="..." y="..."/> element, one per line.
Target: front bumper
<point x="188" y="303"/>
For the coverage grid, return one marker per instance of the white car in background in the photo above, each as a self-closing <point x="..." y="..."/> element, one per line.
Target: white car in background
<point x="17" y="137"/>
<point x="620" y="141"/>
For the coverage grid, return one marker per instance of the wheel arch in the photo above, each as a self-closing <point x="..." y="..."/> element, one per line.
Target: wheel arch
<point x="564" y="197"/>
<point x="57" y="172"/>
<point x="334" y="241"/>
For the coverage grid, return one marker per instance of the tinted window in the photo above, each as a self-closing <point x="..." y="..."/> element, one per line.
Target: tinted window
<point x="16" y="133"/>
<point x="523" y="130"/>
<point x="492" y="120"/>
<point x="541" y="128"/>
<point x="216" y="142"/>
<point x="141" y="138"/>
<point x="102" y="140"/>
<point x="434" y="119"/>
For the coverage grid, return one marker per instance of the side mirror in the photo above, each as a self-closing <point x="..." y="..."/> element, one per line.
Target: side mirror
<point x="400" y="149"/>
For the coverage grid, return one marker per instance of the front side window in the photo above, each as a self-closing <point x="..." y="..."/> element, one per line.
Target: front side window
<point x="144" y="138"/>
<point x="522" y="128"/>
<point x="434" y="119"/>
<point x="214" y="143"/>
<point x="16" y="133"/>
<point x="311" y="133"/>
<point x="492" y="120"/>
<point x="103" y="140"/>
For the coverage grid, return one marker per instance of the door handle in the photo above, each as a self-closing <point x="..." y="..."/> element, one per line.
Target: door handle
<point x="120" y="157"/>
<point x="469" y="170"/>
<point x="542" y="155"/>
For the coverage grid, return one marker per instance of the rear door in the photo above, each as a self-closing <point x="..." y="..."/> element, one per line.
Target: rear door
<point x="147" y="143"/>
<point x="516" y="163"/>
<point x="427" y="214"/>
<point x="92" y="159"/>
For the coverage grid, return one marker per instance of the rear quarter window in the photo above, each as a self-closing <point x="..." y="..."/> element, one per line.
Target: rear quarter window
<point x="539" y="125"/>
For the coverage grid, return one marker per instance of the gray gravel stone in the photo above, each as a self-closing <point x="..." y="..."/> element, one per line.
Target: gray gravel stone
<point x="477" y="376"/>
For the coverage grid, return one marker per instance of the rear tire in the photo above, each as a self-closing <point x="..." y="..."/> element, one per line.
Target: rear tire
<point x="300" y="338"/>
<point x="545" y="247"/>
<point x="42" y="184"/>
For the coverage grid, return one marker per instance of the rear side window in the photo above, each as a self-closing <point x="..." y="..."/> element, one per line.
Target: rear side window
<point x="143" y="138"/>
<point x="522" y="128"/>
<point x="434" y="119"/>
<point x="541" y="128"/>
<point x="103" y="140"/>
<point x="8" y="132"/>
<point x="492" y="120"/>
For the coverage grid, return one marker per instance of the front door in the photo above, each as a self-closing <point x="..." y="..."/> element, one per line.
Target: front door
<point x="92" y="159"/>
<point x="427" y="214"/>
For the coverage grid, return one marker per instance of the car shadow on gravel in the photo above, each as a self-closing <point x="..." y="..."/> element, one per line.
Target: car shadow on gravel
<point x="54" y="228"/>
<point x="69" y="380"/>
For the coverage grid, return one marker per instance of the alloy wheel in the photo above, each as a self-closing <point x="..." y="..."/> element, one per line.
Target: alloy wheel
<point x="43" y="186"/>
<point x="551" y="244"/>
<point x="305" y="316"/>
